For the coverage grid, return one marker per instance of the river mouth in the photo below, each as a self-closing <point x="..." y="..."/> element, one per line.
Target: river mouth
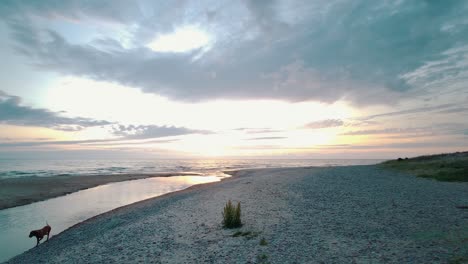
<point x="65" y="211"/>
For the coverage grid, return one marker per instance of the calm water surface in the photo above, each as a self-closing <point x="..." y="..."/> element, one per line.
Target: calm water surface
<point x="66" y="211"/>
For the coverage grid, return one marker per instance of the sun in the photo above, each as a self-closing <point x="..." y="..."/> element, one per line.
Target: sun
<point x="181" y="40"/>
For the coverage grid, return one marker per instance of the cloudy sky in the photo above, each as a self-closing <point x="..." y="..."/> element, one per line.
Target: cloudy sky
<point x="285" y="79"/>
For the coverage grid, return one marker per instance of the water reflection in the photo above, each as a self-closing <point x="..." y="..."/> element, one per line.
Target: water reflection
<point x="63" y="212"/>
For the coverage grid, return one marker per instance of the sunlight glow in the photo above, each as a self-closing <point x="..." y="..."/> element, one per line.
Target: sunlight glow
<point x="238" y="127"/>
<point x="125" y="105"/>
<point x="182" y="40"/>
<point x="25" y="133"/>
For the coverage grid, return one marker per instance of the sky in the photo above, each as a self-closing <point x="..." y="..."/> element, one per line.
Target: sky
<point x="244" y="79"/>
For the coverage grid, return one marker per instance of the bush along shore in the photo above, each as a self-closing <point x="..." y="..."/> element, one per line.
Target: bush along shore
<point x="443" y="167"/>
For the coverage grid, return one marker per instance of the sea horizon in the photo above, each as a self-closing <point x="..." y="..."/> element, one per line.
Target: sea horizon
<point x="15" y="168"/>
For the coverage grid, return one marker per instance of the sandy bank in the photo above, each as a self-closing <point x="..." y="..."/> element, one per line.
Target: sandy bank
<point x="358" y="214"/>
<point x="26" y="190"/>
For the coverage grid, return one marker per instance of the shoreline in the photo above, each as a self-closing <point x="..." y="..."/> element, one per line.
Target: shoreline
<point x="152" y="199"/>
<point x="312" y="214"/>
<point x="26" y="190"/>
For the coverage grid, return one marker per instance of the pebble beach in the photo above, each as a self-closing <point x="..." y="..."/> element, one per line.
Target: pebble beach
<point x="349" y="214"/>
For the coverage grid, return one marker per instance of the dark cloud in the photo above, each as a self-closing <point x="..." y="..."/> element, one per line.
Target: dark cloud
<point x="153" y="131"/>
<point x="13" y="113"/>
<point x="324" y="124"/>
<point x="362" y="51"/>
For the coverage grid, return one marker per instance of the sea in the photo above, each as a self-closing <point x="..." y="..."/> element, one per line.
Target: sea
<point x="66" y="211"/>
<point x="13" y="168"/>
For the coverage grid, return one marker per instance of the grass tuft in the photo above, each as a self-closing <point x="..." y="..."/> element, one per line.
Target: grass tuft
<point x="237" y="234"/>
<point x="248" y="234"/>
<point x="263" y="242"/>
<point x="232" y="215"/>
<point x="263" y="258"/>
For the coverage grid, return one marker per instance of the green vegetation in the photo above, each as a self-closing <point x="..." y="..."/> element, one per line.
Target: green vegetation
<point x="451" y="167"/>
<point x="232" y="215"/>
<point x="263" y="258"/>
<point x="237" y="234"/>
<point x="458" y="260"/>
<point x="240" y="233"/>
<point x="456" y="238"/>
<point x="263" y="242"/>
<point x="459" y="239"/>
<point x="247" y="234"/>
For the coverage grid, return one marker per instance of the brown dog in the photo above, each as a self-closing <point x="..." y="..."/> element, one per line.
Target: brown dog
<point x="40" y="233"/>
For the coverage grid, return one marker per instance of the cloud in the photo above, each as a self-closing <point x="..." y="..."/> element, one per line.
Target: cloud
<point x="383" y="131"/>
<point x="324" y="124"/>
<point x="12" y="112"/>
<point x="435" y="129"/>
<point x="153" y="131"/>
<point x="454" y="110"/>
<point x="258" y="130"/>
<point x="266" y="138"/>
<point x="88" y="142"/>
<point x="351" y="147"/>
<point x="52" y="142"/>
<point x="417" y="110"/>
<point x="122" y="154"/>
<point x="363" y="51"/>
<point x="448" y="69"/>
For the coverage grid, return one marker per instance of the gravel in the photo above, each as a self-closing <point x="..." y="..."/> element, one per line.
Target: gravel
<point x="353" y="214"/>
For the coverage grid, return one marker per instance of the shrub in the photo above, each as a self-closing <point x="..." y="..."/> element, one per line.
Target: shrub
<point x="262" y="258"/>
<point x="232" y="215"/>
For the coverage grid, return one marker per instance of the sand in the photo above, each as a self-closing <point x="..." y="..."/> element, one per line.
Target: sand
<point x="358" y="214"/>
<point x="26" y="190"/>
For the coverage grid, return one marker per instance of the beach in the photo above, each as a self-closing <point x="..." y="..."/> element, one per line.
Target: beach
<point x="26" y="190"/>
<point x="350" y="214"/>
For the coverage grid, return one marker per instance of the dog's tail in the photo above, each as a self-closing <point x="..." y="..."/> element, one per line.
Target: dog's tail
<point x="47" y="224"/>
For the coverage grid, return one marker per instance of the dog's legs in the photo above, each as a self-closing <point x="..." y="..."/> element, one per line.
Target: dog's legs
<point x="48" y="236"/>
<point x="37" y="241"/>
